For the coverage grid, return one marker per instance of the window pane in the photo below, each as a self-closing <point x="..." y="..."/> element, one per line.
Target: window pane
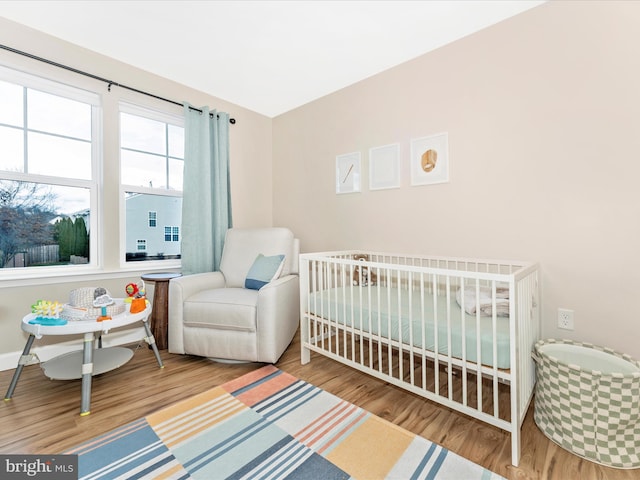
<point x="169" y="212"/>
<point x="11" y="149"/>
<point x="139" y="133"/>
<point x="143" y="170"/>
<point x="11" y="101"/>
<point x="54" y="114"/>
<point x="176" y="141"/>
<point x="151" y="157"/>
<point x="60" y="157"/>
<point x="176" y="169"/>
<point x="43" y="224"/>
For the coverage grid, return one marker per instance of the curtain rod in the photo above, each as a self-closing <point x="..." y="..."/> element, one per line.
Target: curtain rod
<point x="95" y="77"/>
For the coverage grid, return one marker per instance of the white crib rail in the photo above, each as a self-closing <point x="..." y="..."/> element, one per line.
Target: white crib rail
<point x="353" y="325"/>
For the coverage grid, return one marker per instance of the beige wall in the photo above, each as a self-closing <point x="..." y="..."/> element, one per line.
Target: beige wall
<point x="250" y="148"/>
<point x="542" y="114"/>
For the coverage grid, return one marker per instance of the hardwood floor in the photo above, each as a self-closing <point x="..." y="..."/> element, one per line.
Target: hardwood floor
<point x="43" y="415"/>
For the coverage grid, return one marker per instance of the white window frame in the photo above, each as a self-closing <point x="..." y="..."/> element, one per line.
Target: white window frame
<point x="178" y="120"/>
<point x="96" y="248"/>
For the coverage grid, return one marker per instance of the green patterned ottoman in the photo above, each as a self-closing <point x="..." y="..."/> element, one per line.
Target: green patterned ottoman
<point x="588" y="401"/>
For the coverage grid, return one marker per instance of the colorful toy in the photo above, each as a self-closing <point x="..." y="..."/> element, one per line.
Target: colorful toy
<point x="46" y="308"/>
<point x="101" y="299"/>
<point x="47" y="313"/>
<point x="104" y="315"/>
<point x="135" y="290"/>
<point x="136" y="296"/>
<point x="47" y="321"/>
<point x="132" y="290"/>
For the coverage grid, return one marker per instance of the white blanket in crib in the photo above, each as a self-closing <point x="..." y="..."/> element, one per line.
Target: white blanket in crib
<point x="484" y="300"/>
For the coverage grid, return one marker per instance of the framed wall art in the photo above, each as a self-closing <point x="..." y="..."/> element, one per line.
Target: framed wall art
<point x="384" y="167"/>
<point x="348" y="173"/>
<point x="430" y="160"/>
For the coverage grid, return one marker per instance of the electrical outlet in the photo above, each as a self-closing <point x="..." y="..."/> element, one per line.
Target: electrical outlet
<point x="565" y="319"/>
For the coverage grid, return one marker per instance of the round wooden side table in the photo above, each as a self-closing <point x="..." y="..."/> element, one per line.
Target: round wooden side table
<point x="160" y="310"/>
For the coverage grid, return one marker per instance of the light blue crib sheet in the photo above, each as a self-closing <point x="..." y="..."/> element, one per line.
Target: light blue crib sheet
<point x="379" y="310"/>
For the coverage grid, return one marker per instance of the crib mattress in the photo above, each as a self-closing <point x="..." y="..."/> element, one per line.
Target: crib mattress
<point x="388" y="311"/>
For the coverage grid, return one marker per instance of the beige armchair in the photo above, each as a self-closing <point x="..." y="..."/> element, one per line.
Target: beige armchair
<point x="214" y="315"/>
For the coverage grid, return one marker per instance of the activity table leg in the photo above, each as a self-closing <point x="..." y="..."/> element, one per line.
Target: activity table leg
<point x="87" y="373"/>
<point x="152" y="342"/>
<point x="21" y="363"/>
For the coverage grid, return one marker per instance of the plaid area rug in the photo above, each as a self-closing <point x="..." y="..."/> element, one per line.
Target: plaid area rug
<point x="268" y="424"/>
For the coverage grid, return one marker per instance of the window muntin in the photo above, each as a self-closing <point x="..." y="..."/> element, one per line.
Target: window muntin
<point x="48" y="151"/>
<point x="151" y="169"/>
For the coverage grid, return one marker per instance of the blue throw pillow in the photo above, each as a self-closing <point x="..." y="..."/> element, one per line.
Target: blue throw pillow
<point x="264" y="270"/>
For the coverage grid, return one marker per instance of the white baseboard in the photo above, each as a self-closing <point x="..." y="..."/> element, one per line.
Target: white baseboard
<point x="9" y="361"/>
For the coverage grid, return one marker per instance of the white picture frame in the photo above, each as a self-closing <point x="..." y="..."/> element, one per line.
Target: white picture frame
<point x="430" y="159"/>
<point x="384" y="167"/>
<point x="348" y="173"/>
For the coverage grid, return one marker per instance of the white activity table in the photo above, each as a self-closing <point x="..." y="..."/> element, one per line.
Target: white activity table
<point x="106" y="358"/>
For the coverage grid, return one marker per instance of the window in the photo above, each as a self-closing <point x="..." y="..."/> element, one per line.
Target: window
<point x="171" y="234"/>
<point x="151" y="166"/>
<point x="142" y="245"/>
<point x="48" y="160"/>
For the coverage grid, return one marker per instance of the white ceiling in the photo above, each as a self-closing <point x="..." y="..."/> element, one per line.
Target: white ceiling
<point x="267" y="56"/>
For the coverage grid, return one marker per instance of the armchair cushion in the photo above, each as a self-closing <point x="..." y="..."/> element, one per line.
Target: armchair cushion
<point x="263" y="271"/>
<point x="222" y="308"/>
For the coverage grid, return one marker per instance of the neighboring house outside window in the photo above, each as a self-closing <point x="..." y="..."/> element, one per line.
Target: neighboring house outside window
<point x="48" y="186"/>
<point x="151" y="159"/>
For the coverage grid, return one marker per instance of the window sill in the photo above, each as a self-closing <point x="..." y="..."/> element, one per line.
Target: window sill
<point x="49" y="277"/>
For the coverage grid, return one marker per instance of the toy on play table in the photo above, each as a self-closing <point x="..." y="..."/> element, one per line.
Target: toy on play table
<point x="136" y="295"/>
<point x="47" y="313"/>
<point x="102" y="300"/>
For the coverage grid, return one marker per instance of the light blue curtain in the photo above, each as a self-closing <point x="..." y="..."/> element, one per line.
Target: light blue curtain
<point x="206" y="200"/>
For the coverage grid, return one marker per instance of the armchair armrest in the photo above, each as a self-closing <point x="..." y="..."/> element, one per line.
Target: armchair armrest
<point x="180" y="289"/>
<point x="278" y="316"/>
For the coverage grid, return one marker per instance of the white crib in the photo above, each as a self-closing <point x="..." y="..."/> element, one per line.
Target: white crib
<point x="456" y="331"/>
